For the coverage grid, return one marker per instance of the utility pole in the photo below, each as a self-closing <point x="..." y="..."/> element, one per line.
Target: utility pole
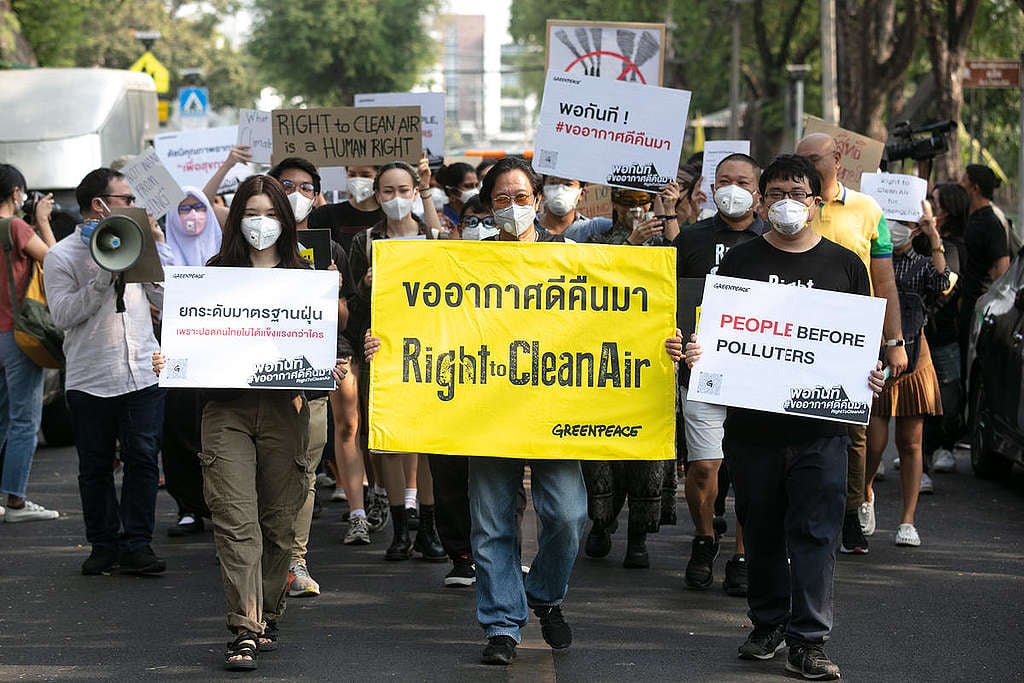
<point x="798" y="72"/>
<point x="829" y="98"/>
<point x="734" y="75"/>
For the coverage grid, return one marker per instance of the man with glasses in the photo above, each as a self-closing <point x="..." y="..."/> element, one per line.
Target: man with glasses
<point x="110" y="386"/>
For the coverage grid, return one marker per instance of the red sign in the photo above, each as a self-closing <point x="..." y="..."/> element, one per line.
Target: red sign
<point x="992" y="73"/>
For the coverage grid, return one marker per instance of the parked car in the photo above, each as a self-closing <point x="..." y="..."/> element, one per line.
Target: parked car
<point x="995" y="363"/>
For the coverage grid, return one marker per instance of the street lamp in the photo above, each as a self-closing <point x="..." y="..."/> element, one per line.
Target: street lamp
<point x="798" y="72"/>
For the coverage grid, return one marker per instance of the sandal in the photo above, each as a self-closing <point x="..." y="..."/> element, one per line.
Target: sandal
<point x="268" y="640"/>
<point x="244" y="645"/>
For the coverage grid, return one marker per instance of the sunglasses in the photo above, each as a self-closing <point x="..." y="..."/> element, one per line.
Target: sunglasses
<point x="128" y="198"/>
<point x="474" y="221"/>
<point x="186" y="208"/>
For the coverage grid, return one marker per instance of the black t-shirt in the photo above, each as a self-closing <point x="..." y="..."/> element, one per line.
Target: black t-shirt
<point x="986" y="242"/>
<point x="344" y="221"/>
<point x="825" y="266"/>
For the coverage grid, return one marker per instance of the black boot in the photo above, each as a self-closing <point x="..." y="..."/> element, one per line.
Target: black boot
<point x="427" y="543"/>
<point x="636" y="552"/>
<point x="599" y="541"/>
<point x="401" y="546"/>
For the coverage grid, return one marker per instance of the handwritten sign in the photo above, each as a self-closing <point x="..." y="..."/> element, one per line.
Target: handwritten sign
<point x="610" y="132"/>
<point x="622" y="51"/>
<point x="859" y="154"/>
<point x="786" y="349"/>
<point x="152" y="183"/>
<point x="899" y="195"/>
<point x="431" y="106"/>
<point x="266" y="328"/>
<point x="714" y="152"/>
<point x="193" y="156"/>
<point x="348" y="136"/>
<point x="596" y="202"/>
<point x="254" y="130"/>
<point x="496" y="329"/>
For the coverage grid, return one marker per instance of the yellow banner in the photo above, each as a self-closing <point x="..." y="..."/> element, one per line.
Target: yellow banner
<point x="523" y="350"/>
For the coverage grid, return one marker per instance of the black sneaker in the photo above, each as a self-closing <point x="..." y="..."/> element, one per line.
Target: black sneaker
<point x="142" y="561"/>
<point x="553" y="627"/>
<point x="764" y="642"/>
<point x="100" y="561"/>
<point x="462" y="574"/>
<point x="500" y="650"/>
<point x="854" y="542"/>
<point x="700" y="569"/>
<point x="735" y="583"/>
<point x="599" y="542"/>
<point x="811" y="662"/>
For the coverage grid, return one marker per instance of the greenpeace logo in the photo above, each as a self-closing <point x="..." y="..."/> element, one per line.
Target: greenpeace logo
<point x="563" y="79"/>
<point x="188" y="276"/>
<point x="731" y="288"/>
<point x="563" y="430"/>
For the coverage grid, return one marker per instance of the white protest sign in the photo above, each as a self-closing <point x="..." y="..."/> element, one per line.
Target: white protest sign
<point x="193" y="156"/>
<point x="152" y="183"/>
<point x="267" y="328"/>
<point x="431" y="106"/>
<point x="899" y="195"/>
<point x="714" y="152"/>
<point x="624" y="51"/>
<point x="333" y="178"/>
<point x="787" y="349"/>
<point x="610" y="132"/>
<point x="254" y="130"/>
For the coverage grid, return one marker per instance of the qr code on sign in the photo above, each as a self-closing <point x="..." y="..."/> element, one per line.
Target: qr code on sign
<point x="709" y="383"/>
<point x="177" y="369"/>
<point x="547" y="159"/>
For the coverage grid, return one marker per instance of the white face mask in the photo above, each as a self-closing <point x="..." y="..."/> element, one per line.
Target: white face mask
<point x="397" y="208"/>
<point x="733" y="201"/>
<point x="469" y="194"/>
<point x="561" y="199"/>
<point x="261" y="231"/>
<point x="438" y="196"/>
<point x="900" y="234"/>
<point x="359" y="189"/>
<point x="301" y="205"/>
<point x="515" y="219"/>
<point x="788" y="216"/>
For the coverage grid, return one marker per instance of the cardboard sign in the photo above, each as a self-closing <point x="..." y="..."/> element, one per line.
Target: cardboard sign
<point x="860" y="154"/>
<point x="524" y="350"/>
<point x="254" y="130"/>
<point x="786" y="349"/>
<point x="610" y="132"/>
<point x="596" y="202"/>
<point x="899" y="195"/>
<point x="714" y="152"/>
<point x="315" y="247"/>
<point x="153" y="185"/>
<point x="620" y="51"/>
<point x="431" y="106"/>
<point x="192" y="157"/>
<point x="348" y="136"/>
<point x="251" y="328"/>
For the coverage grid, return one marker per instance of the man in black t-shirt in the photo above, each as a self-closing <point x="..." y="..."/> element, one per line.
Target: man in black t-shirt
<point x="700" y="249"/>
<point x="790" y="472"/>
<point x="359" y="213"/>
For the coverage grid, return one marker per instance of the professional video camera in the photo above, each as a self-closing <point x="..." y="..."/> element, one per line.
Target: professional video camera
<point x="907" y="142"/>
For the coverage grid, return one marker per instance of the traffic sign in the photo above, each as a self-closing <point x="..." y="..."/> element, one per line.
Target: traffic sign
<point x="193" y="101"/>
<point x="149" y="64"/>
<point x="991" y="73"/>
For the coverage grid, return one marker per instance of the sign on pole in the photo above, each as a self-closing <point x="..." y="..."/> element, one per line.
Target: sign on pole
<point x="991" y="73"/>
<point x="620" y="51"/>
<point x="149" y="64"/>
<point x="348" y="136"/>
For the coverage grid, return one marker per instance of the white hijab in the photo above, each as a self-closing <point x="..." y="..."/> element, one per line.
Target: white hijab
<point x="189" y="249"/>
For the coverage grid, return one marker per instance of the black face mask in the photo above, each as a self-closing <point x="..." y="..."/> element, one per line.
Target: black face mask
<point x="921" y="245"/>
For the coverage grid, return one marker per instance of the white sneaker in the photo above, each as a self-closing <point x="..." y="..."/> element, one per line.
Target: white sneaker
<point x="302" y="584"/>
<point x="926" y="484"/>
<point x="325" y="481"/>
<point x="896" y="463"/>
<point x="907" y="535"/>
<point x="30" y="513"/>
<point x="338" y="495"/>
<point x="358" y="531"/>
<point x="880" y="472"/>
<point x="866" y="517"/>
<point x="3" y="512"/>
<point x="943" y="461"/>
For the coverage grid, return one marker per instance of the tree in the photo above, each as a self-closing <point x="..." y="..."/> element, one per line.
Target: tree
<point x="14" y="49"/>
<point x="327" y="51"/>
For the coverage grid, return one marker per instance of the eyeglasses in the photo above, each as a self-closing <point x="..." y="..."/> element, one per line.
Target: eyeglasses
<point x="474" y="221"/>
<point x="289" y="187"/>
<point x="503" y="201"/>
<point x="198" y="207"/>
<point x="778" y="195"/>
<point x="128" y="198"/>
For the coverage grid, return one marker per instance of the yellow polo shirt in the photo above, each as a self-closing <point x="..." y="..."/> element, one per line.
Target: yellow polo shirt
<point x="855" y="221"/>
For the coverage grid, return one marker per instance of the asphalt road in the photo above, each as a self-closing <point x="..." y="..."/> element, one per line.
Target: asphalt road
<point x="947" y="611"/>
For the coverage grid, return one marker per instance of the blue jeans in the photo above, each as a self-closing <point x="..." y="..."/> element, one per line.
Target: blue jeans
<point x="136" y="421"/>
<point x="560" y="499"/>
<point x="21" y="408"/>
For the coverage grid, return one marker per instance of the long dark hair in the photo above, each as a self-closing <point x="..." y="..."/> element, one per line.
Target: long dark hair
<point x="955" y="201"/>
<point x="234" y="249"/>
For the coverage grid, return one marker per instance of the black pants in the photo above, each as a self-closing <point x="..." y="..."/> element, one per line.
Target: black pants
<point x="181" y="443"/>
<point x="790" y="499"/>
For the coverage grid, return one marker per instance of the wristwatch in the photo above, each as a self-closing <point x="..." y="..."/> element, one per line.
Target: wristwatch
<point x="940" y="249"/>
<point x="894" y="342"/>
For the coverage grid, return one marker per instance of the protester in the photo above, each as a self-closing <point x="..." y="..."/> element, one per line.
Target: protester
<point x="21" y="380"/>
<point x="359" y="212"/>
<point x="700" y="249"/>
<point x="915" y="394"/>
<point x="116" y="400"/>
<point x="560" y="217"/>
<point x="239" y="154"/>
<point x="639" y="217"/>
<point x="460" y="183"/>
<point x="790" y="472"/>
<point x="854" y="220"/>
<point x="194" y="236"/>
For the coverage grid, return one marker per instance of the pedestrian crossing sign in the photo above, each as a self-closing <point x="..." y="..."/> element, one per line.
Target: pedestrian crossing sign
<point x="193" y="101"/>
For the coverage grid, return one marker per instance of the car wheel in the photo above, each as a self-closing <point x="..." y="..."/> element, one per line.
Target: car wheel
<point x="986" y="462"/>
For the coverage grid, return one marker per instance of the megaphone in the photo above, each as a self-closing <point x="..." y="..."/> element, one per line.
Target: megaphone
<point x="116" y="243"/>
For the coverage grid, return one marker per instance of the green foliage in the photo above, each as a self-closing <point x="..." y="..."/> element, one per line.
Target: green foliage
<point x="326" y="51"/>
<point x="47" y="25"/>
